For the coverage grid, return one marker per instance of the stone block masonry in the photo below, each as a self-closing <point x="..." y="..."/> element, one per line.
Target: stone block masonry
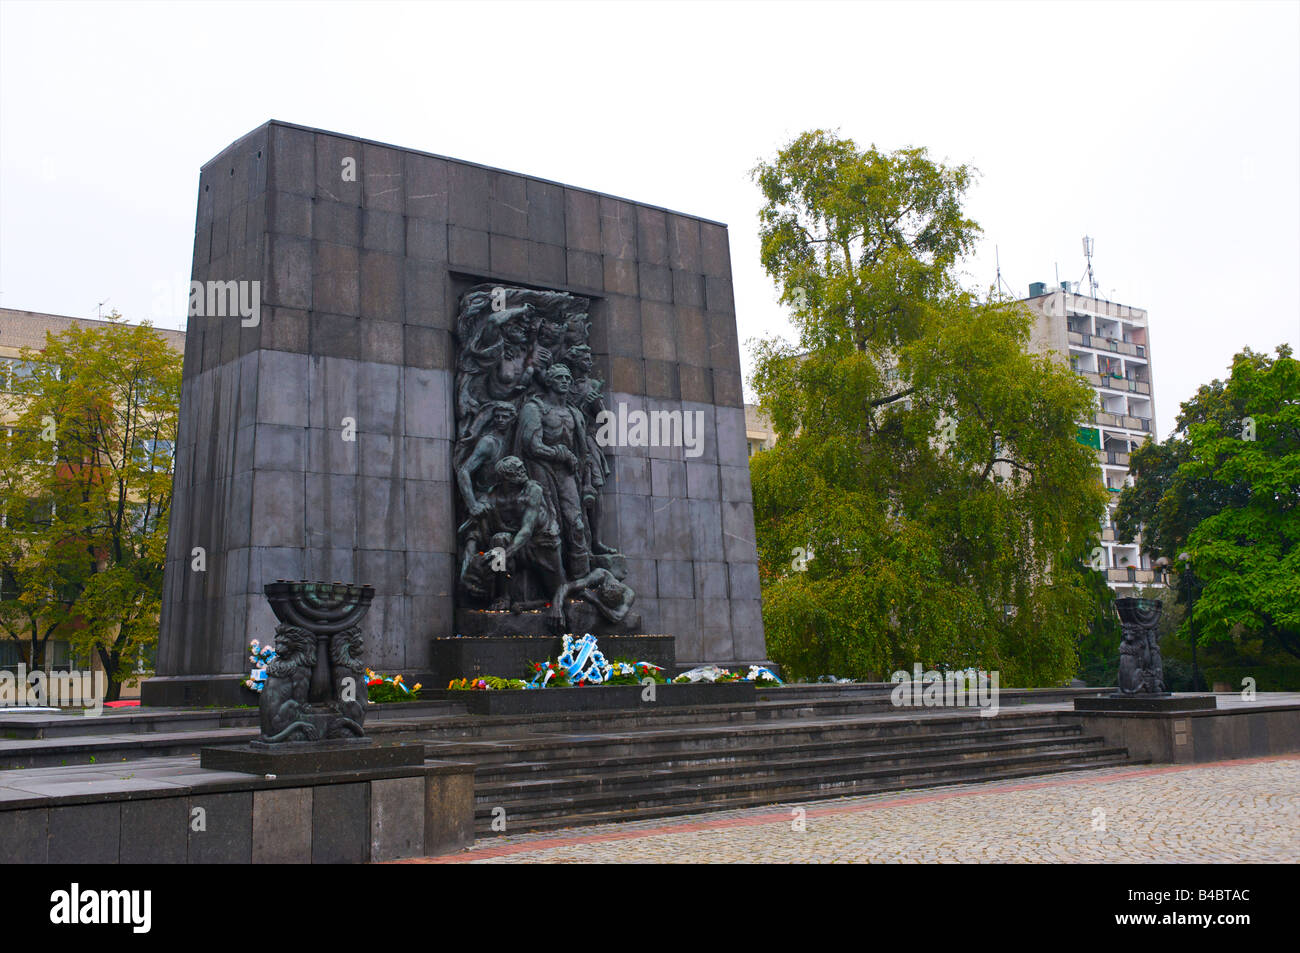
<point x="316" y="443"/>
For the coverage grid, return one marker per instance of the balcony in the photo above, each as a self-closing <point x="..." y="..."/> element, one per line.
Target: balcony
<point x="1131" y="574"/>
<point x="1115" y="458"/>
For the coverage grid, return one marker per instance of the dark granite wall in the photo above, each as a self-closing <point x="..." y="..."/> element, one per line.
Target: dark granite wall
<point x="358" y="304"/>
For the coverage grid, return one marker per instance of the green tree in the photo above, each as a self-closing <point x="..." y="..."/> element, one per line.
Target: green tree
<point x="1224" y="489"/>
<point x="87" y="473"/>
<point x="926" y="459"/>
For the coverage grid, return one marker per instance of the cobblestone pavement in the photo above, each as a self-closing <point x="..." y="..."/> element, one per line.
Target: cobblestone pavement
<point x="1226" y="812"/>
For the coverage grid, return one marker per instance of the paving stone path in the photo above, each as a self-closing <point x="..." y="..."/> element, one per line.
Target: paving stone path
<point x="1226" y="812"/>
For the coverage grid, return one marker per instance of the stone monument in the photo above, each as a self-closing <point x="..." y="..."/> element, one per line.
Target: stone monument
<point x="1141" y="670"/>
<point x="313" y="702"/>
<point x="316" y="685"/>
<point x="432" y="343"/>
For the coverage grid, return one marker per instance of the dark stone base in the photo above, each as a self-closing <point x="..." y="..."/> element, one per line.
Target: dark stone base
<point x="311" y="757"/>
<point x="1253" y="730"/>
<point x="583" y="618"/>
<point x="606" y="698"/>
<point x="509" y="656"/>
<point x="351" y="816"/>
<point x="1156" y="703"/>
<point x="196" y="691"/>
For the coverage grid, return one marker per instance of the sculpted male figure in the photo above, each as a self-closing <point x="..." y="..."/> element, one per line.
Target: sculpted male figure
<point x="553" y="440"/>
<point x="478" y="452"/>
<point x="494" y="362"/>
<point x="586" y="396"/>
<point x="601" y="588"/>
<point x="515" y="532"/>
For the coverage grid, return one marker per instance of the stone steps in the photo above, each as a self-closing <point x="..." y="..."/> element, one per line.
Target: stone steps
<point x="796" y="735"/>
<point x="773" y="704"/>
<point x="101" y="749"/>
<point x="648" y="744"/>
<point x="127" y="745"/>
<point x="15" y="726"/>
<point x="521" y="791"/>
<point x="494" y="771"/>
<point x="688" y="798"/>
<point x="554" y="780"/>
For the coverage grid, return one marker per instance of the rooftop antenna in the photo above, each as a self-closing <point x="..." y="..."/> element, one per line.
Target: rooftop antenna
<point x="1087" y="254"/>
<point x="101" y="307"/>
<point x="997" y="257"/>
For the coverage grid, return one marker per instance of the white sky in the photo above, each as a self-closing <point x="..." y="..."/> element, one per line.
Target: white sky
<point x="1170" y="132"/>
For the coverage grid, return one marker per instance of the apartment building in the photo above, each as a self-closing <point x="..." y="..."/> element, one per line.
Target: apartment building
<point x="20" y="329"/>
<point x="759" y="434"/>
<point x="27" y="329"/>
<point x="1108" y="343"/>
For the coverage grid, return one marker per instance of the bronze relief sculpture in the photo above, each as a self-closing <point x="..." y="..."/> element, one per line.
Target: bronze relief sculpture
<point x="528" y="469"/>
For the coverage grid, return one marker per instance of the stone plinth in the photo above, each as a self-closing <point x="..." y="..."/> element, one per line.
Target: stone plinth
<point x="605" y="698"/>
<point x="1234" y="729"/>
<point x="1164" y="702"/>
<point x="582" y="619"/>
<point x="509" y="656"/>
<point x="293" y="757"/>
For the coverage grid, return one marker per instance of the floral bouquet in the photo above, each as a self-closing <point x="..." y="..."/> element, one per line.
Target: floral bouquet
<point x="487" y="683"/>
<point x="633" y="673"/>
<point x="259" y="655"/>
<point x="760" y="675"/>
<point x="707" y="673"/>
<point x="549" y="675"/>
<point x="382" y="688"/>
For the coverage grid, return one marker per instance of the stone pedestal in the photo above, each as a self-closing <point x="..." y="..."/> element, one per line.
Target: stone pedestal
<point x="509" y="656"/>
<point x="1156" y="703"/>
<point x="582" y="619"/>
<point x="293" y="757"/>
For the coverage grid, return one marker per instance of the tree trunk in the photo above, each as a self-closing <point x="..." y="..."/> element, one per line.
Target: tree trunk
<point x="36" y="655"/>
<point x="110" y="661"/>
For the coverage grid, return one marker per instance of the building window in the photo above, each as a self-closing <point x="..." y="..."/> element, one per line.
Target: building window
<point x="12" y="370"/>
<point x="8" y="584"/>
<point x="159" y="454"/>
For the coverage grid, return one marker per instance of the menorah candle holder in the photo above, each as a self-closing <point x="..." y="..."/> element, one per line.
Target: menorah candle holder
<point x="315" y="686"/>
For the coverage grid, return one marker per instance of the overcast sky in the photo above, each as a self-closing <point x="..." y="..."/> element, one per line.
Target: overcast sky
<point x="1169" y="132"/>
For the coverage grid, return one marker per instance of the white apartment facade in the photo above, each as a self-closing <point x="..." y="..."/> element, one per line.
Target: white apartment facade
<point x="1109" y="344"/>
